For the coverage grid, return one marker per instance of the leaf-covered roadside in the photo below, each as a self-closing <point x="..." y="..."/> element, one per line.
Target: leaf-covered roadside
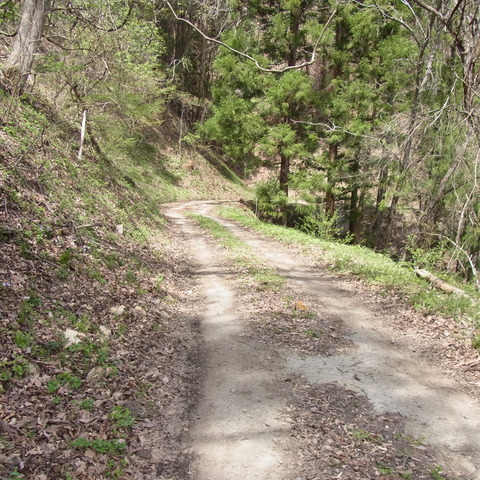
<point x="95" y="358"/>
<point x="341" y="436"/>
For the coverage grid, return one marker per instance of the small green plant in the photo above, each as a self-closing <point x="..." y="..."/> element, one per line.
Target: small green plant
<point x="384" y="470"/>
<point x="4" y="442"/>
<point x="86" y="403"/>
<point x="409" y="439"/>
<point x="122" y="416"/>
<point x="66" y="258"/>
<point x="23" y="339"/>
<point x="82" y="323"/>
<point x="112" y="446"/>
<point x="121" y="329"/>
<point x="436" y="471"/>
<point x="62" y="273"/>
<point x="304" y="314"/>
<point x="131" y="276"/>
<point x="158" y="282"/>
<point x="70" y="379"/>
<point x="112" y="260"/>
<point x="157" y="327"/>
<point x="113" y="470"/>
<point x="96" y="275"/>
<point x="62" y="379"/>
<point x="313" y="333"/>
<point x="53" y="386"/>
<point x="69" y="477"/>
<point x="11" y="370"/>
<point x="87" y="349"/>
<point x="102" y="355"/>
<point x="89" y="352"/>
<point x="28" y="310"/>
<point x="15" y="474"/>
<point x="364" y="436"/>
<point x="49" y="348"/>
<point x="476" y="341"/>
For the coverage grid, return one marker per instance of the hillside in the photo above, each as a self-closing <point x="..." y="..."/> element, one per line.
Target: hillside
<point x="92" y="328"/>
<point x="103" y="322"/>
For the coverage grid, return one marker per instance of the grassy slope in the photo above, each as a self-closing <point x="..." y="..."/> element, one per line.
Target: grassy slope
<point x="64" y="265"/>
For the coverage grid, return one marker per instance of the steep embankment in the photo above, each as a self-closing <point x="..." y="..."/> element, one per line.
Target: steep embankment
<point x="97" y="340"/>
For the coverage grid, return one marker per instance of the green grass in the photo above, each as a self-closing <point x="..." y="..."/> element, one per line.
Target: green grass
<point x="373" y="268"/>
<point x="122" y="416"/>
<point x="112" y="447"/>
<point x="264" y="277"/>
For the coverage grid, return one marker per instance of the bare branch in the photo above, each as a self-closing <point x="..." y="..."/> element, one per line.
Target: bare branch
<point x="11" y="35"/>
<point x="125" y="20"/>
<point x="333" y="128"/>
<point x="79" y="15"/>
<point x="391" y="17"/>
<point x="431" y="10"/>
<point x="248" y="57"/>
<point x="467" y="256"/>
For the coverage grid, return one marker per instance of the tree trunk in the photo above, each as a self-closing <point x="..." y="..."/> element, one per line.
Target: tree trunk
<point x="18" y="65"/>
<point x="284" y="173"/>
<point x="330" y="195"/>
<point x="379" y="208"/>
<point x="392" y="211"/>
<point x="355" y="202"/>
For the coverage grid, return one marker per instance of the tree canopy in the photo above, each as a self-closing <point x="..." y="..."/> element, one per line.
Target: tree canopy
<point x="366" y="111"/>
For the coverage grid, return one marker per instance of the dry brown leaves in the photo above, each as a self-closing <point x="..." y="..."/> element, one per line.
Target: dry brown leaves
<point x="340" y="436"/>
<point x="141" y="360"/>
<point x="274" y="319"/>
<point x="444" y="341"/>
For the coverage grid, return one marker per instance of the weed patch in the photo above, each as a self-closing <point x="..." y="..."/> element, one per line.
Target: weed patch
<point x="110" y="447"/>
<point x="371" y="267"/>
<point x="264" y="278"/>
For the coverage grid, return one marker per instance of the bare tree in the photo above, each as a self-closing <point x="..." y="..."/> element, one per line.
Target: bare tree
<point x="461" y="19"/>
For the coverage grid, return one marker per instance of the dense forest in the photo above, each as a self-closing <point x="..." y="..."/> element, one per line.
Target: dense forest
<point x="364" y="114"/>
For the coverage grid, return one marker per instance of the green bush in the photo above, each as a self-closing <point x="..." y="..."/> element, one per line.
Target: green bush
<point x="271" y="201"/>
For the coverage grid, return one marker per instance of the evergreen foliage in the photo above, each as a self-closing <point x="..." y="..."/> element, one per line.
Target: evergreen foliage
<point x="367" y="111"/>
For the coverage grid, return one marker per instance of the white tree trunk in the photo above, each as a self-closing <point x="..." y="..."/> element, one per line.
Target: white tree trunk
<point x="18" y="65"/>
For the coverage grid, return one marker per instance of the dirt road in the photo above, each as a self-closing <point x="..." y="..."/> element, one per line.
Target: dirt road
<point x="267" y="411"/>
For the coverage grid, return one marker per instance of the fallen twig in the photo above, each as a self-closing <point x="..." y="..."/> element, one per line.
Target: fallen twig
<point x="441" y="284"/>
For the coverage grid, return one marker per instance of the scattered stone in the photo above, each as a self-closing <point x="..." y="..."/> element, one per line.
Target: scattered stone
<point x="105" y="331"/>
<point x="73" y="337"/>
<point x="118" y="310"/>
